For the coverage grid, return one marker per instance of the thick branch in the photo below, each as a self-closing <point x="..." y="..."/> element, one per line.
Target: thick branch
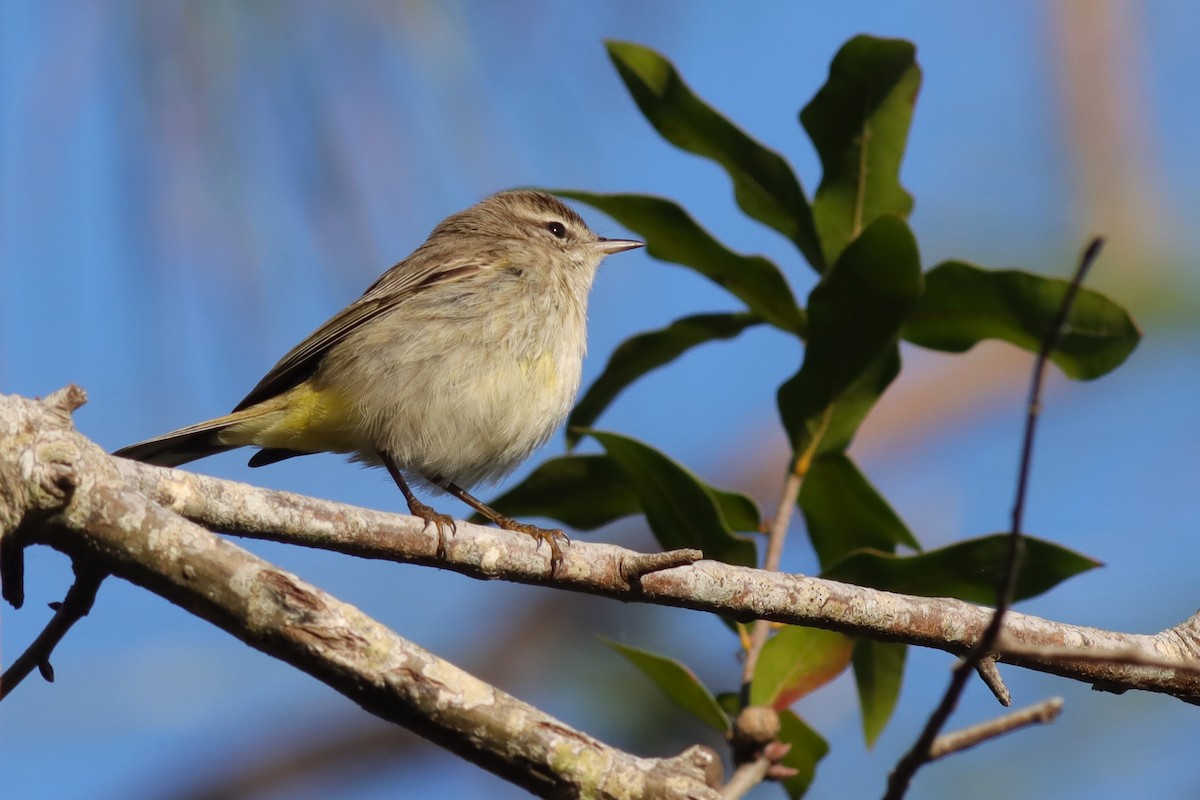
<point x="113" y="527"/>
<point x="487" y="553"/>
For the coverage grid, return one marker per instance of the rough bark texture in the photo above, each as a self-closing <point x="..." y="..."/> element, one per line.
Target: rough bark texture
<point x="151" y="526"/>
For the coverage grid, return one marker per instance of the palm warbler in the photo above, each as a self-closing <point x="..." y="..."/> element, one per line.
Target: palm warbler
<point x="449" y="371"/>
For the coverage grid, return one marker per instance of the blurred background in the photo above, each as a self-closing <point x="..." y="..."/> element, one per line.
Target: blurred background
<point x="187" y="189"/>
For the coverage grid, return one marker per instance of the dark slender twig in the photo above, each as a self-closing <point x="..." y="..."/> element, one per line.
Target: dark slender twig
<point x="12" y="571"/>
<point x="74" y="607"/>
<point x="907" y="767"/>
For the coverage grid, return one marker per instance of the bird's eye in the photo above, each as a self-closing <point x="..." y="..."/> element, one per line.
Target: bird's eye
<point x="558" y="229"/>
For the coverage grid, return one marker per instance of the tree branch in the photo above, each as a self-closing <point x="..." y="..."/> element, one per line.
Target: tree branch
<point x="1041" y="713"/>
<point x="595" y="568"/>
<point x="110" y="526"/>
<point x="129" y="519"/>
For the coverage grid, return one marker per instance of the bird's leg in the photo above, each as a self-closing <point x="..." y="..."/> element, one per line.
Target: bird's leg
<point x="551" y="536"/>
<point x="419" y="509"/>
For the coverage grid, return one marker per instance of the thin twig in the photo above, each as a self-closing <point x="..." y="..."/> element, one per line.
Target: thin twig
<point x="990" y="674"/>
<point x="745" y="778"/>
<point x="1039" y="713"/>
<point x="73" y="608"/>
<point x="903" y="773"/>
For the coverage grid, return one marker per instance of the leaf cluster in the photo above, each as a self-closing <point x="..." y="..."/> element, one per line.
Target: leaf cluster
<point x="871" y="294"/>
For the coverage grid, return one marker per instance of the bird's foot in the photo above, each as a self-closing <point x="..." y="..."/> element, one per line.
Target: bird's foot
<point x="551" y="536"/>
<point x="439" y="520"/>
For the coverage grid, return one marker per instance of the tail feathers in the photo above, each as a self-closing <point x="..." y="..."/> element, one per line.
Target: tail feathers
<point x="184" y="445"/>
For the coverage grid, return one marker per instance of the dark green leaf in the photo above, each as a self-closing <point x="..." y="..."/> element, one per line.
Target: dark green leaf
<point x="583" y="492"/>
<point x="678" y="683"/>
<point x="967" y="570"/>
<point x="681" y="510"/>
<point x="794" y="662"/>
<point x="587" y="491"/>
<point x="763" y="183"/>
<point x="878" y="673"/>
<point x="808" y="748"/>
<point x="739" y="511"/>
<point x="859" y="123"/>
<point x="672" y="235"/>
<point x="843" y="512"/>
<point x="730" y="703"/>
<point x="964" y="304"/>
<point x="855" y="314"/>
<point x="648" y="351"/>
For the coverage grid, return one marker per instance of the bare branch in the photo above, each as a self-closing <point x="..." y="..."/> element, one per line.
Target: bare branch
<point x="115" y="529"/>
<point x="1040" y="713"/>
<point x="126" y="518"/>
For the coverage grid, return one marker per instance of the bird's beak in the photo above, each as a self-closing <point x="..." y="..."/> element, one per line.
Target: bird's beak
<point x="610" y="246"/>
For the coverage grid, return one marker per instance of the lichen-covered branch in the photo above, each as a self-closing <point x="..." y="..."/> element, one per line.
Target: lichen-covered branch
<point x="104" y="522"/>
<point x="151" y="526"/>
<point x="487" y="553"/>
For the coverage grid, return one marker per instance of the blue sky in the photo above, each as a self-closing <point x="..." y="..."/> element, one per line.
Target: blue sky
<point x="188" y="189"/>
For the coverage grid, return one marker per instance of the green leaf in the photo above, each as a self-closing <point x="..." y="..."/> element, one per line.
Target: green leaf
<point x="855" y="314"/>
<point x="648" y="351"/>
<point x="672" y="235"/>
<point x="808" y="748"/>
<point x="739" y="511"/>
<point x="878" y="673"/>
<point x="964" y="304"/>
<point x="859" y="123"/>
<point x="681" y="510"/>
<point x="730" y="703"/>
<point x="763" y="183"/>
<point x="588" y="491"/>
<point x="582" y="491"/>
<point x="678" y="683"/>
<point x="794" y="662"/>
<point x="967" y="570"/>
<point x="843" y="512"/>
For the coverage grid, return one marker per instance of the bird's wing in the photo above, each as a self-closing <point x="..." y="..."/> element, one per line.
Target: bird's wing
<point x="393" y="287"/>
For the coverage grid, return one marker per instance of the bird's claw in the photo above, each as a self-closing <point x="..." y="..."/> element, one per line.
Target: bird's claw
<point x="551" y="536"/>
<point x="439" y="520"/>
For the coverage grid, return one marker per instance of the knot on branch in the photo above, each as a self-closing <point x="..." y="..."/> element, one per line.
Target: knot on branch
<point x="38" y="454"/>
<point x="65" y="401"/>
<point x="1185" y="638"/>
<point x="55" y="476"/>
<point x="634" y="567"/>
<point x="678" y="776"/>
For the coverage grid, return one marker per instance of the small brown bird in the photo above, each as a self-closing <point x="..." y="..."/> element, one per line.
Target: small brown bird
<point x="449" y="371"/>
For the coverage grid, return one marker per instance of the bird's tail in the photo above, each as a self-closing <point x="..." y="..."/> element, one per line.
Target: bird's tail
<point x="190" y="443"/>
